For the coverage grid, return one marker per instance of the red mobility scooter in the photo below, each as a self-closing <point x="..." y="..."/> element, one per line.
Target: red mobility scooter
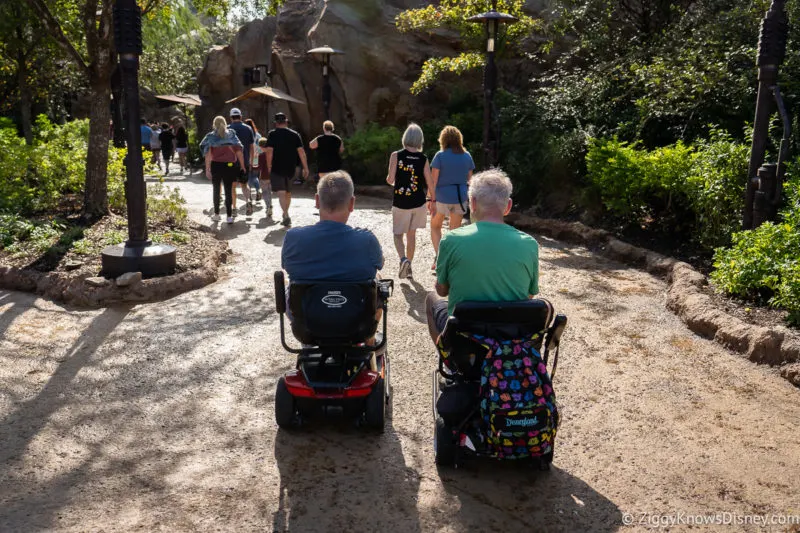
<point x="338" y="368"/>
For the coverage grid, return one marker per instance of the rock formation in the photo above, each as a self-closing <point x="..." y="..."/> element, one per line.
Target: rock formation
<point x="369" y="83"/>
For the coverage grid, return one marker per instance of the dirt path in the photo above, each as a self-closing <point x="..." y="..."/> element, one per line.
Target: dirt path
<point x="160" y="417"/>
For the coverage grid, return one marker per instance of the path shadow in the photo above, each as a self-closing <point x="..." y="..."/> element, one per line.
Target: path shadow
<point x="10" y="309"/>
<point x="415" y="294"/>
<point x="276" y="237"/>
<point x="511" y="497"/>
<point x="37" y="410"/>
<point x="338" y="479"/>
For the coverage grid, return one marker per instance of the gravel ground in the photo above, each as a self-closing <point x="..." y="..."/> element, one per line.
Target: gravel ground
<point x="160" y="417"/>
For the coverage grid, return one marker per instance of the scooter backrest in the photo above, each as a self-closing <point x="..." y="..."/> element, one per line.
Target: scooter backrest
<point x="333" y="313"/>
<point x="500" y="320"/>
<point x="508" y="320"/>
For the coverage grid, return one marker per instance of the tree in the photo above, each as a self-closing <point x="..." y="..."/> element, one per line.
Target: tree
<point x="84" y="30"/>
<point x="452" y="15"/>
<point x="26" y="57"/>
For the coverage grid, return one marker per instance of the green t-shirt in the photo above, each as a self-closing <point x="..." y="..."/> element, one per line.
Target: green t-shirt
<point x="488" y="262"/>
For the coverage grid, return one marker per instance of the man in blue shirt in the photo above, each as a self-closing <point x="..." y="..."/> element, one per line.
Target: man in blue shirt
<point x="247" y="138"/>
<point x="147" y="133"/>
<point x="330" y="250"/>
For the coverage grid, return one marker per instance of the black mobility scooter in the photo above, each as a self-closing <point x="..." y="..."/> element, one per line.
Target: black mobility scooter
<point x="492" y="393"/>
<point x="337" y="367"/>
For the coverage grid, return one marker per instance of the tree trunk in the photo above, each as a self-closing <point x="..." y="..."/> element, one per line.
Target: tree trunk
<point x="95" y="203"/>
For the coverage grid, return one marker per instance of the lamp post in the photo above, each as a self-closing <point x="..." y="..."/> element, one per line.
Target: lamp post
<point x="764" y="183"/>
<point x="325" y="53"/>
<point x="492" y="20"/>
<point x="137" y="254"/>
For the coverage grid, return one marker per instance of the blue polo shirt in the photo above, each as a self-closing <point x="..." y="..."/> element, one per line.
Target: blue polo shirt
<point x="453" y="172"/>
<point x="331" y="251"/>
<point x="146" y="134"/>
<point x="245" y="135"/>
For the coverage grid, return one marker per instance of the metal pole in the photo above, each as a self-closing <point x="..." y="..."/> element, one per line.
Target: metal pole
<point x="128" y="25"/>
<point x="326" y="86"/>
<point x="116" y="107"/>
<point x="489" y="86"/>
<point x="137" y="254"/>
<point x="771" y="51"/>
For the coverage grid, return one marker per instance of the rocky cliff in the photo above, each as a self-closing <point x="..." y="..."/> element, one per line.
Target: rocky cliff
<point x="370" y="82"/>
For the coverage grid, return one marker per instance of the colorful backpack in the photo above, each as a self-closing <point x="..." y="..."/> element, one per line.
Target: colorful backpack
<point x="518" y="403"/>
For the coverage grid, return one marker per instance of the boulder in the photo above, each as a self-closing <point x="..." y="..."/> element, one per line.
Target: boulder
<point x="97" y="281"/>
<point x="128" y="279"/>
<point x="369" y="83"/>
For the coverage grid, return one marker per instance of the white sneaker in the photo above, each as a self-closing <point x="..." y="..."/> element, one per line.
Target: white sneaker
<point x="230" y="220"/>
<point x="215" y="218"/>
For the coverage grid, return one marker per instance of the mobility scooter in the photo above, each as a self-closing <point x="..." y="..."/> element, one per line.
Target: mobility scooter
<point x="342" y="364"/>
<point x="492" y="392"/>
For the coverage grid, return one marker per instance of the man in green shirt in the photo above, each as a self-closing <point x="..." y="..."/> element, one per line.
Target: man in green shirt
<point x="488" y="261"/>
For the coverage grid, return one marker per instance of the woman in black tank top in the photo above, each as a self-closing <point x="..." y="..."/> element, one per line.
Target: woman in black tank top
<point x="410" y="174"/>
<point x="329" y="149"/>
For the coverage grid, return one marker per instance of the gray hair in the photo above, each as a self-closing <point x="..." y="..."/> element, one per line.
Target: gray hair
<point x="413" y="137"/>
<point x="335" y="190"/>
<point x="490" y="190"/>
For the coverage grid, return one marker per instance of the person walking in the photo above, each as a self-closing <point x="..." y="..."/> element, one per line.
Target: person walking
<point x="407" y="169"/>
<point x="147" y="134"/>
<point x="155" y="145"/>
<point x="181" y="145"/>
<point x="263" y="176"/>
<point x="284" y="148"/>
<point x="245" y="135"/>
<point x="329" y="147"/>
<point x="223" y="150"/>
<point x="253" y="174"/>
<point x="167" y="139"/>
<point x="451" y="170"/>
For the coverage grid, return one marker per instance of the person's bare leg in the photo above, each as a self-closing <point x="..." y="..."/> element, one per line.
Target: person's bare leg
<point x="433" y="330"/>
<point x="399" y="245"/>
<point x="246" y="191"/>
<point x="436" y="233"/>
<point x="455" y="220"/>
<point x="284" y="199"/>
<point x="411" y="244"/>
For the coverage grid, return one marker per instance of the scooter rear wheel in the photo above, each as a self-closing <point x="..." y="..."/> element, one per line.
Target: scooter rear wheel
<point x="375" y="408"/>
<point x="444" y="445"/>
<point x="285" y="407"/>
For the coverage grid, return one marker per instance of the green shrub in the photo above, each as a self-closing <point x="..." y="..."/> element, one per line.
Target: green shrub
<point x="165" y="206"/>
<point x="367" y="153"/>
<point x="764" y="264"/>
<point x="691" y="191"/>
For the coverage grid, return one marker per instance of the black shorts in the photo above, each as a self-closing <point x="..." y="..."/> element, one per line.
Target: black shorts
<point x="280" y="183"/>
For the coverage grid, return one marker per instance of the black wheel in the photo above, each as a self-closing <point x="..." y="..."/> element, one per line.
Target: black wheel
<point x="545" y="461"/>
<point x="375" y="408"/>
<point x="444" y="445"/>
<point x="285" y="407"/>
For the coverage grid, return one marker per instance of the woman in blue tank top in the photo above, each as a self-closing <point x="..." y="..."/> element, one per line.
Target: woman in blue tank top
<point x="451" y="170"/>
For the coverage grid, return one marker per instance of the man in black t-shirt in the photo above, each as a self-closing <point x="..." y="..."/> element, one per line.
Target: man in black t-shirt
<point x="329" y="150"/>
<point x="284" y="148"/>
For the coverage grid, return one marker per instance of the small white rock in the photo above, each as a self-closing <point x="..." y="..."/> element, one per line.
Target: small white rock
<point x="129" y="278"/>
<point x="97" y="282"/>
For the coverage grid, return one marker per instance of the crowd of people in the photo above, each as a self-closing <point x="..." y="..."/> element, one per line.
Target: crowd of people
<point x="163" y="142"/>
<point x="236" y="152"/>
<point x="330" y="250"/>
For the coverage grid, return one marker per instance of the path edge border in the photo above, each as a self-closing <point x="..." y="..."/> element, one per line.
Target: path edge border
<point x="79" y="293"/>
<point x="776" y="346"/>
